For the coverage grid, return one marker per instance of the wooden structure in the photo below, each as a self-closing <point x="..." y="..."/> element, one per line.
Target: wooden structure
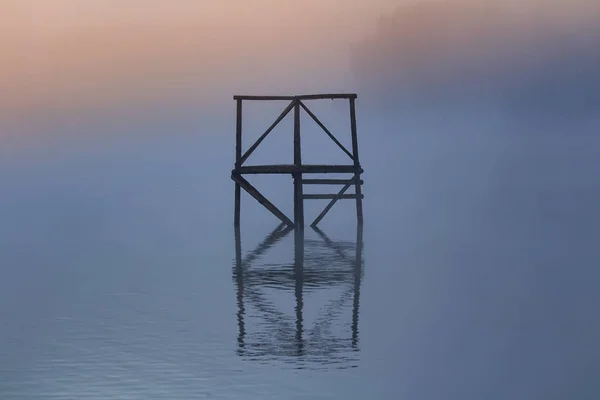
<point x="327" y="265"/>
<point x="297" y="170"/>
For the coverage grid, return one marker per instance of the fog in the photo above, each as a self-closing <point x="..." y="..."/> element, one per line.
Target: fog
<point x="532" y="57"/>
<point x="480" y="245"/>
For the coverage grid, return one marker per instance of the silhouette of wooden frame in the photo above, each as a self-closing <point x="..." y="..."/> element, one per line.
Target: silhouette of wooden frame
<point x="297" y="169"/>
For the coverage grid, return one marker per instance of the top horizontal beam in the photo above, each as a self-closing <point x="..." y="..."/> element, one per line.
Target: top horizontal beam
<point x="331" y="96"/>
<point x="303" y="169"/>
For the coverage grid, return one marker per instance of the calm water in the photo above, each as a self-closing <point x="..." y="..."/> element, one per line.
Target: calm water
<point x="477" y="279"/>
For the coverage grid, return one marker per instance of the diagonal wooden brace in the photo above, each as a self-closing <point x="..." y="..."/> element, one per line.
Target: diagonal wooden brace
<point x="334" y="200"/>
<point x="251" y="190"/>
<point x="281" y="116"/>
<point x="324" y="128"/>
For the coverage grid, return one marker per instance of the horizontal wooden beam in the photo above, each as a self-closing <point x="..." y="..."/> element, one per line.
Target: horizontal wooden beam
<point x="336" y="197"/>
<point x="330" y="196"/>
<point x="328" y="181"/>
<point x="304" y="169"/>
<point x="299" y="97"/>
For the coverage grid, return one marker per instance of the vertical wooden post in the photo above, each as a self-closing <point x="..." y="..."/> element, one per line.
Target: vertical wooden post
<point x="238" y="157"/>
<point x="359" y="211"/>
<point x="299" y="230"/>
<point x="298" y="195"/>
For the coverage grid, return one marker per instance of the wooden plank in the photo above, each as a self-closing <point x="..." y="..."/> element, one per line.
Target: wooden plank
<point x="251" y="190"/>
<point x="238" y="157"/>
<point x="264" y="135"/>
<point x="322" y="96"/>
<point x="354" y="132"/>
<point x="238" y="134"/>
<point x="328" y="181"/>
<point x="298" y="200"/>
<point x="330" y="96"/>
<point x="325" y="169"/>
<point x="359" y="206"/>
<point x="324" y="128"/>
<point x="333" y="201"/>
<point x="329" y="196"/>
<point x="238" y="247"/>
<point x="266" y="169"/>
<point x="238" y="201"/>
<point x="265" y="97"/>
<point x="290" y="168"/>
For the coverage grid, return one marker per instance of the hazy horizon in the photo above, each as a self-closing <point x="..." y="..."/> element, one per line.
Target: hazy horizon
<point x="102" y="58"/>
<point x="70" y="55"/>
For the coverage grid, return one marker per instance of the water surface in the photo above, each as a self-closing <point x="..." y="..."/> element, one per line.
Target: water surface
<point x="477" y="279"/>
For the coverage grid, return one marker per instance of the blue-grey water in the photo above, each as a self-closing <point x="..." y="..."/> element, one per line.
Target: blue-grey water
<point x="478" y="278"/>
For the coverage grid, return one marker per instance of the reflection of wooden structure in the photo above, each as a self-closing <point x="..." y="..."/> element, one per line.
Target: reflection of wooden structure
<point x="298" y="169"/>
<point x="286" y="338"/>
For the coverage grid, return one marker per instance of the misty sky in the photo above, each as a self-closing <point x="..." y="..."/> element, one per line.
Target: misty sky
<point x="70" y="53"/>
<point x="73" y="56"/>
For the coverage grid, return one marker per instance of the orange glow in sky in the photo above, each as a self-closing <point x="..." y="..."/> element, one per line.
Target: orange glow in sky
<point x="77" y="53"/>
<point x="71" y="54"/>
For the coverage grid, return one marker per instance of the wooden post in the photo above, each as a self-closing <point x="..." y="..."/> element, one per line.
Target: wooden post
<point x="297" y="175"/>
<point x="238" y="157"/>
<point x="297" y="169"/>
<point x="359" y="211"/>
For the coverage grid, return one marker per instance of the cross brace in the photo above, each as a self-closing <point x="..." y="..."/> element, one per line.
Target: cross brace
<point x="298" y="169"/>
<point x="251" y="190"/>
